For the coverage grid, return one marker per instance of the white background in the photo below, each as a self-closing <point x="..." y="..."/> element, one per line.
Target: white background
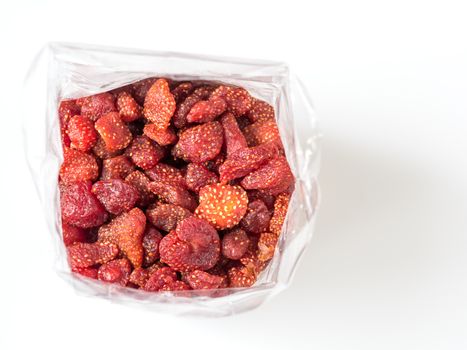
<point x="387" y="267"/>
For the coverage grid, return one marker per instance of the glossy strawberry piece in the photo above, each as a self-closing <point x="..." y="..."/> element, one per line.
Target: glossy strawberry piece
<point x="161" y="277"/>
<point x="113" y="131"/>
<point x="167" y="216"/>
<point x="72" y="234"/>
<point x="206" y="111"/>
<point x="238" y="99"/>
<point x="235" y="244"/>
<point x="151" y="241"/>
<point x="144" y="152"/>
<point x="89" y="254"/>
<point x="96" y="106"/>
<point x="128" y="108"/>
<point x="159" y="104"/>
<point x="116" y="168"/>
<point x="234" y="139"/>
<point x="173" y="194"/>
<point x="257" y="217"/>
<point x="198" y="279"/>
<point x="78" y="166"/>
<point x="141" y="182"/>
<point x="116" y="195"/>
<point x="116" y="271"/>
<point x="163" y="137"/>
<point x="198" y="176"/>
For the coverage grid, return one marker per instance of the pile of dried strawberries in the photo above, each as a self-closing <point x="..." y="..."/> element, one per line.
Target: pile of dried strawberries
<point x="169" y="186"/>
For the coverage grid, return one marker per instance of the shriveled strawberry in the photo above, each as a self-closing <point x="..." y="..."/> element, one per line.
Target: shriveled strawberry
<point x="167" y="216"/>
<point x="139" y="276"/>
<point x="116" y="271"/>
<point x="151" y="241"/>
<point x="116" y="195"/>
<point x="159" y="104"/>
<point x="266" y="246"/>
<point x="141" y="182"/>
<point x="80" y="207"/>
<point x="184" y="107"/>
<point x="127" y="232"/>
<point x="198" y="176"/>
<point x="222" y="205"/>
<point x="257" y="217"/>
<point x="89" y="254"/>
<point x="128" y="108"/>
<point x="263" y="131"/>
<point x="141" y="88"/>
<point x="163" y="137"/>
<point x="260" y="110"/>
<point x="81" y="132"/>
<point x="173" y="194"/>
<point x="235" y="244"/>
<point x="238" y="99"/>
<point x="73" y="234"/>
<point x="102" y="152"/>
<point x="89" y="272"/>
<point x="144" y="152"/>
<point x="266" y="198"/>
<point x="78" y="166"/>
<point x="193" y="245"/>
<point x="96" y="106"/>
<point x="198" y="279"/>
<point x="246" y="160"/>
<point x="165" y="173"/>
<point x="241" y="277"/>
<point x="182" y="90"/>
<point x="199" y="143"/>
<point x="175" y="286"/>
<point x="113" y="131"/>
<point x="280" y="211"/>
<point x="206" y="111"/>
<point x="159" y="278"/>
<point x="116" y="168"/>
<point x="234" y="139"/>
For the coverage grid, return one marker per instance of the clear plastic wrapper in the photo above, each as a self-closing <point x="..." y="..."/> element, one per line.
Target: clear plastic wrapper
<point x="62" y="71"/>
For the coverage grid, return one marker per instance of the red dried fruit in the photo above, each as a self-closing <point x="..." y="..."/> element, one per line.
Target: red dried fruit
<point x="127" y="232"/>
<point x="173" y="194"/>
<point x="66" y="110"/>
<point x="213" y="165"/>
<point x="235" y="244"/>
<point x="139" y="276"/>
<point x="198" y="176"/>
<point x="151" y="241"/>
<point x="257" y="217"/>
<point x="113" y="131"/>
<point x="73" y="234"/>
<point x="180" y="116"/>
<point x="78" y="166"/>
<point x="199" y="143"/>
<point x="244" y="161"/>
<point x="206" y="111"/>
<point x="140" y="181"/>
<point x="250" y="259"/>
<point x="80" y="207"/>
<point x="96" y="106"/>
<point x="116" y="195"/>
<point x="280" y="211"/>
<point x="159" y="104"/>
<point x="238" y="99"/>
<point x="266" y="198"/>
<point x="144" y="153"/>
<point x="159" y="278"/>
<point x="266" y="246"/>
<point x="116" y="271"/>
<point x="128" y="108"/>
<point x="141" y="88"/>
<point x="116" y="168"/>
<point x="241" y="276"/>
<point x="89" y="254"/>
<point x="182" y="90"/>
<point x="194" y="245"/>
<point x="101" y="151"/>
<point x="175" y="286"/>
<point x="198" y="279"/>
<point x="260" y="110"/>
<point x="89" y="272"/>
<point x="81" y="132"/>
<point x="165" y="173"/>
<point x="261" y="132"/>
<point x="222" y="205"/>
<point x="234" y="139"/>
<point x="167" y="216"/>
<point x="163" y="137"/>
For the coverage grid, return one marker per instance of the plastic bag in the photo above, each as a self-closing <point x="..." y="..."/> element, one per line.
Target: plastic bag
<point x="63" y="71"/>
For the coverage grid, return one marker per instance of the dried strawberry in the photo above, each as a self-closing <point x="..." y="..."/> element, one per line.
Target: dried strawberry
<point x="81" y="132"/>
<point x="222" y="205"/>
<point x="116" y="195"/>
<point x="144" y="152"/>
<point x="238" y="99"/>
<point x="182" y="90"/>
<point x="89" y="272"/>
<point x="180" y="116"/>
<point x="257" y="217"/>
<point x="66" y="110"/>
<point x="193" y="245"/>
<point x="263" y="131"/>
<point x="167" y="216"/>
<point x="244" y="161"/>
<point x="80" y="207"/>
<point x="280" y="211"/>
<point x="213" y="165"/>
<point x="260" y="110"/>
<point x="127" y="232"/>
<point x="116" y="271"/>
<point x="234" y="139"/>
<point x="141" y="88"/>
<point x="266" y="198"/>
<point x="198" y="176"/>
<point x="199" y="143"/>
<point x="96" y="106"/>
<point x="266" y="246"/>
<point x="241" y="276"/>
<point x="173" y="194"/>
<point x="165" y="173"/>
<point x="174" y="286"/>
<point x="159" y="278"/>
<point x="113" y="131"/>
<point x="73" y="234"/>
<point x="116" y="168"/>
<point x="159" y="104"/>
<point x="78" y="166"/>
<point x="128" y="108"/>
<point x="198" y="279"/>
<point x="141" y="182"/>
<point x="139" y="276"/>
<point x="151" y="241"/>
<point x="235" y="244"/>
<point x="89" y="254"/>
<point x="206" y="111"/>
<point x="163" y="137"/>
<point x="101" y="151"/>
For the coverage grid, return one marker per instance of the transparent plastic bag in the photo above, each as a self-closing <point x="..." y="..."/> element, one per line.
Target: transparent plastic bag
<point x="62" y="71"/>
